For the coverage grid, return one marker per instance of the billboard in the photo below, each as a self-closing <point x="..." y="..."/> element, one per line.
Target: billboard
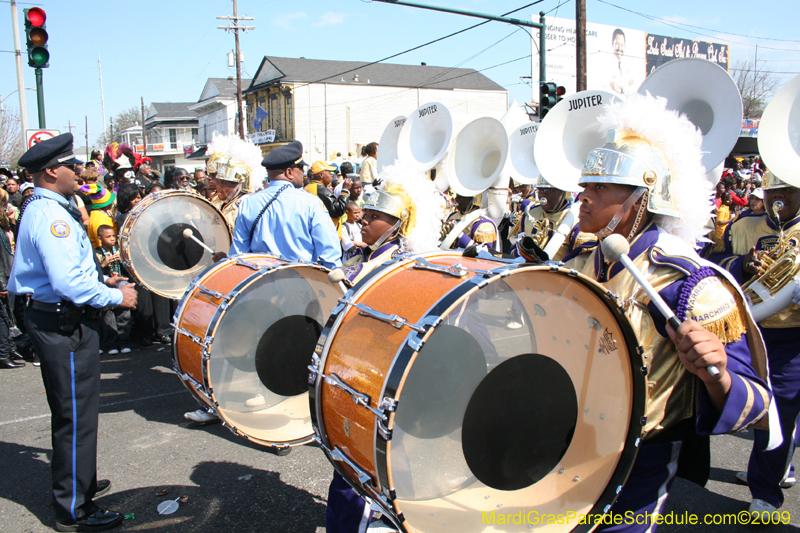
<point x="661" y="49"/>
<point x="617" y="59"/>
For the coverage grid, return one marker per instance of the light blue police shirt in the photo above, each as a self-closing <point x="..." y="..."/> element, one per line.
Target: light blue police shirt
<point x="296" y="227"/>
<point x="54" y="258"/>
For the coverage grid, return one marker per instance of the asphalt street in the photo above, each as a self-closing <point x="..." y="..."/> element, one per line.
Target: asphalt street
<point x="152" y="454"/>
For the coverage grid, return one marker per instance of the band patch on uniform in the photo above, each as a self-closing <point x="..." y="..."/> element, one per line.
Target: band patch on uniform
<point x="713" y="305"/>
<point x="59" y="229"/>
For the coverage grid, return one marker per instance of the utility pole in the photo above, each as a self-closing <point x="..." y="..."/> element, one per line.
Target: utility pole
<point x="102" y="102"/>
<point x="23" y="108"/>
<point x="86" y="132"/>
<point x="111" y="130"/>
<point x="70" y="126"/>
<point x="580" y="43"/>
<point x="236" y="29"/>
<point x="144" y="131"/>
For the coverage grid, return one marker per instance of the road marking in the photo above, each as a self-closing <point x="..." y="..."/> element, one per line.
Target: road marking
<point x="110" y="404"/>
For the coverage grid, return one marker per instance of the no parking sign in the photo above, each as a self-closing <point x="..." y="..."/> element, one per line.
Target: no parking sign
<point x="37" y="136"/>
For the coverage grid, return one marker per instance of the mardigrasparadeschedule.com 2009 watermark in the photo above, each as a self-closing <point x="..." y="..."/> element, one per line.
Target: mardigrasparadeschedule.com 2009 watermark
<point x="535" y="518"/>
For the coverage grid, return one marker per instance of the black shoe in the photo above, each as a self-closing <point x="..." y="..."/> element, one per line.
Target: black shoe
<point x="6" y="362"/>
<point x="100" y="520"/>
<point x="16" y="356"/>
<point x="164" y="339"/>
<point x="146" y="342"/>
<point x="35" y="360"/>
<point x="103" y="486"/>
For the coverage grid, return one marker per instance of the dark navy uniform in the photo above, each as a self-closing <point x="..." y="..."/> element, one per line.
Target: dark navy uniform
<point x="55" y="265"/>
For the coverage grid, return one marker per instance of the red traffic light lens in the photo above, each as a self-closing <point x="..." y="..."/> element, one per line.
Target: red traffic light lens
<point x="38" y="36"/>
<point x="561" y="91"/>
<point x="36" y="16"/>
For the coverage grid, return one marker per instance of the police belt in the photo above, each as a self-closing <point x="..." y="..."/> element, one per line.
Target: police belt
<point x="91" y="313"/>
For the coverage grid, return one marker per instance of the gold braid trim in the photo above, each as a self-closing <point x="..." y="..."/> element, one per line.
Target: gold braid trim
<point x="729" y="328"/>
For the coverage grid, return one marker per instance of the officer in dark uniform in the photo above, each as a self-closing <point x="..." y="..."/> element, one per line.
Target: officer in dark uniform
<point x="55" y="265"/>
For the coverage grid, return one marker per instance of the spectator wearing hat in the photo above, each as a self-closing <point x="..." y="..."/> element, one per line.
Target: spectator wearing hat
<point x="756" y="204"/>
<point x="102" y="203"/>
<point x="321" y="178"/>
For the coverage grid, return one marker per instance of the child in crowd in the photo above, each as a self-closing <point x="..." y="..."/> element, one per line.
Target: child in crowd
<point x="351" y="231"/>
<point x="117" y="321"/>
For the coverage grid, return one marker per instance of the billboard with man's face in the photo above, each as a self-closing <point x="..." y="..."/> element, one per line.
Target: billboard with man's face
<point x="617" y="59"/>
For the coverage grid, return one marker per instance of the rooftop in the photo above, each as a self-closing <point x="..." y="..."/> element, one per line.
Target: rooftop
<point x="300" y="70"/>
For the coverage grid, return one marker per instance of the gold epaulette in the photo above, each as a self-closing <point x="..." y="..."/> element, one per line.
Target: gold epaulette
<point x="485" y="232"/>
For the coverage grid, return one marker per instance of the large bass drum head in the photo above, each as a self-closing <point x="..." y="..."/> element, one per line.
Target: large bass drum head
<point x="493" y="421"/>
<point x="152" y="240"/>
<point x="262" y="346"/>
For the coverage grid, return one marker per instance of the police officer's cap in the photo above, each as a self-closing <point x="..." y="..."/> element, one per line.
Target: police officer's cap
<point x="290" y="155"/>
<point x="49" y="153"/>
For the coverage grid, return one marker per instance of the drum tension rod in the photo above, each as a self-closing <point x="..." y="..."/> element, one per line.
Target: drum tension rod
<point x="214" y="294"/>
<point x="393" y="320"/>
<point x="454" y="270"/>
<point x="358" y="397"/>
<point x="337" y="455"/>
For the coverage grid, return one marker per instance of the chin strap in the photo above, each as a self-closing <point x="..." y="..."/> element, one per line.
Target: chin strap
<point x="632" y="199"/>
<point x="377" y="244"/>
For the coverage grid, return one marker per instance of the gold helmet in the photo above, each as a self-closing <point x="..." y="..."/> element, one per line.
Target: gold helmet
<point x="771" y="181"/>
<point x="395" y="202"/>
<point x="235" y="160"/>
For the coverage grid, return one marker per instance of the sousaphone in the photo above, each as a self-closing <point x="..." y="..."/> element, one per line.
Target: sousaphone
<point x="387" y="151"/>
<point x="425" y="137"/>
<point x="709" y="98"/>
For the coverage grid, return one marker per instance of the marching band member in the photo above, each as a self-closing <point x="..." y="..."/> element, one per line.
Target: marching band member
<point x="545" y="219"/>
<point x="746" y="242"/>
<point x="403" y="215"/>
<point x="233" y="166"/>
<point x="647" y="184"/>
<point x="481" y="231"/>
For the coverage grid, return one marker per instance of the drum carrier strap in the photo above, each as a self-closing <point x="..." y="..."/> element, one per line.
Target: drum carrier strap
<point x="263" y="210"/>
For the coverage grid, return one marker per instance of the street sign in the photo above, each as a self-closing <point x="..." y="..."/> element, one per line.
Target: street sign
<point x="37" y="136"/>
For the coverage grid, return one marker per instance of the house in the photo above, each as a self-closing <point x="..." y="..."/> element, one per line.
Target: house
<point x="339" y="106"/>
<point x="172" y="131"/>
<point x="215" y="111"/>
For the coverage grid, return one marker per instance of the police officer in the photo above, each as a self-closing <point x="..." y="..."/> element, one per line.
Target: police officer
<point x="55" y="265"/>
<point x="283" y="219"/>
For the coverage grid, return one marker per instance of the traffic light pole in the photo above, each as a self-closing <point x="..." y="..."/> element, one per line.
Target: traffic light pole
<point x="40" y="97"/>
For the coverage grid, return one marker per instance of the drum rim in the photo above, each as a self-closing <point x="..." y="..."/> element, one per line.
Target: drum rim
<point x="398" y="369"/>
<point x="213" y="324"/>
<point x="136" y="212"/>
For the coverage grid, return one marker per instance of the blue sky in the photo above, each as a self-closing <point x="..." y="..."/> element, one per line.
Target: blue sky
<point x="165" y="51"/>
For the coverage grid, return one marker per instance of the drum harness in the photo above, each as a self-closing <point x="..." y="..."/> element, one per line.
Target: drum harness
<point x="264" y="209"/>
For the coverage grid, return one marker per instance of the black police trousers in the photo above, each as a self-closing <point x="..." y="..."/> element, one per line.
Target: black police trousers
<point x="71" y="376"/>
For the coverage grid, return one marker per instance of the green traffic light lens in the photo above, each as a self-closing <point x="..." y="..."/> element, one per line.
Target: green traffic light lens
<point x="40" y="56"/>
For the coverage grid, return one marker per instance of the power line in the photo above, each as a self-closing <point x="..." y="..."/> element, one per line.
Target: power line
<point x="672" y="24"/>
<point x="417" y="47"/>
<point x="714" y="31"/>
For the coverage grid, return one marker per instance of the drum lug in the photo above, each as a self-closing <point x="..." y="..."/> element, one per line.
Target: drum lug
<point x="214" y="294"/>
<point x="431" y="321"/>
<point x="390" y="495"/>
<point x="192" y="336"/>
<point x="643" y="421"/>
<point x="643" y="370"/>
<point x="385" y="432"/>
<point x="388" y="404"/>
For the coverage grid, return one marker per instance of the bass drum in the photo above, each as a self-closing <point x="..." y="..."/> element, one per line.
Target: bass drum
<point x="155" y="251"/>
<point x="463" y="419"/>
<point x="245" y="331"/>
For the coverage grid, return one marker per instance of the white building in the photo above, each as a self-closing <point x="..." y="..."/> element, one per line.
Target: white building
<point x="315" y="102"/>
<point x="215" y="111"/>
<point x="171" y="135"/>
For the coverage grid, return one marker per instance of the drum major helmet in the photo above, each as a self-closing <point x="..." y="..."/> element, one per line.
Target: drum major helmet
<point x="235" y="160"/>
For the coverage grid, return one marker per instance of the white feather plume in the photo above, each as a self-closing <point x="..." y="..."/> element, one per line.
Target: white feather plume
<point x="648" y="118"/>
<point x="424" y="236"/>
<point x="235" y="149"/>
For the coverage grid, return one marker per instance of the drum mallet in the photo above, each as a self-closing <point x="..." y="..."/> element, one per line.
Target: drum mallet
<point x="190" y="235"/>
<point x="337" y="276"/>
<point x="615" y="248"/>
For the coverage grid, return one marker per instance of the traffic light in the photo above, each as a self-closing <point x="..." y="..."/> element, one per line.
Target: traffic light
<point x="549" y="95"/>
<point x="36" y="36"/>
